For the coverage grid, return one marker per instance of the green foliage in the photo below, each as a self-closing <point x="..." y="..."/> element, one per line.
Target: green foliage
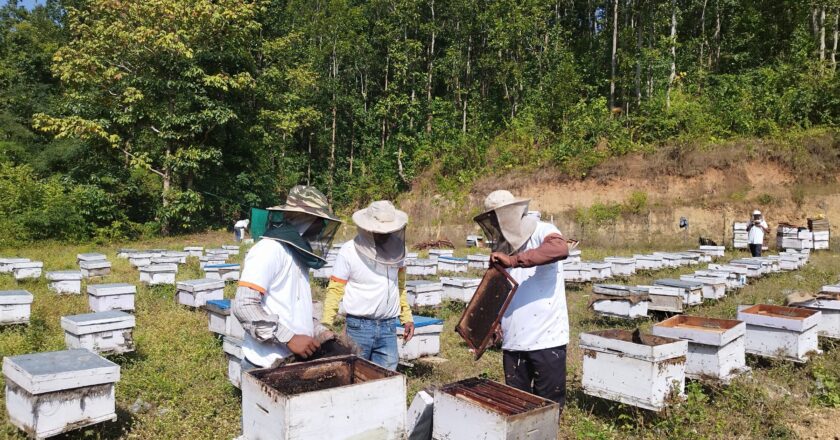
<point x="599" y="214"/>
<point x="637" y="203"/>
<point x="827" y="387"/>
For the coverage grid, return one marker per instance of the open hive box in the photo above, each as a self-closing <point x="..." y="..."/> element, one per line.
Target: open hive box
<point x="332" y="398"/>
<point x="482" y="409"/>
<point x="779" y="332"/>
<point x="636" y="369"/>
<point x="715" y="346"/>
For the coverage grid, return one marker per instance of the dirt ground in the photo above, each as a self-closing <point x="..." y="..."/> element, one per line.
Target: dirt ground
<point x="819" y="424"/>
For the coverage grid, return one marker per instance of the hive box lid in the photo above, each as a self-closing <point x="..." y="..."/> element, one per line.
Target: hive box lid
<point x="64" y="275"/>
<point x="218" y="306"/>
<point x="787" y="318"/>
<point x="111" y="289"/>
<point x="598" y="265"/>
<point x="423" y="325"/>
<point x="28" y="265"/>
<point x="97" y="322"/>
<point x="160" y="267"/>
<point x="422" y="262"/>
<point x="13" y="260"/>
<point x="422" y="286"/>
<point x="92" y="256"/>
<point x="9" y="297"/>
<point x="612" y="289"/>
<point x="230" y="247"/>
<point x="200" y="285"/>
<point x="221" y="266"/>
<point x="441" y="251"/>
<point x="620" y="260"/>
<point x="137" y="255"/>
<point x="680" y="284"/>
<point x="166" y="259"/>
<point x="663" y="290"/>
<point x="449" y="259"/>
<point x="700" y="330"/>
<point x="95" y="264"/>
<point x="746" y="262"/>
<point x="729" y="268"/>
<point x="478" y="257"/>
<point x="648" y="347"/>
<point x="460" y="282"/>
<point x="179" y="254"/>
<point x="704" y="279"/>
<point x="648" y="257"/>
<point x="232" y="346"/>
<point x="51" y="371"/>
<point x="831" y="288"/>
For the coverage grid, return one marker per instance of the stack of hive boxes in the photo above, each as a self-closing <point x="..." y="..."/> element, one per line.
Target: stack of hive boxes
<point x="739" y="234"/>
<point x="820" y="229"/>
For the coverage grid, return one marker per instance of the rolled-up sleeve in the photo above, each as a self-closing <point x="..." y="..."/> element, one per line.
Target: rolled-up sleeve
<point x="553" y="248"/>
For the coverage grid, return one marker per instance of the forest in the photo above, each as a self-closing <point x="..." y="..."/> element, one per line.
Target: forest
<point x="123" y="118"/>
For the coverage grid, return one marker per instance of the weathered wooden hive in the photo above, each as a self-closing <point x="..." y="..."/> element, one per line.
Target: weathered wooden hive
<point x="622" y="267"/>
<point x="196" y="293"/>
<point x="478" y="261"/>
<point x="713" y="287"/>
<point x="636" y="369"/>
<point x="55" y="392"/>
<point x="194" y="251"/>
<point x="65" y="281"/>
<point x="788" y="333"/>
<point x="231" y="249"/>
<point x="715" y="346"/>
<point x="828" y="303"/>
<point x="102" y="332"/>
<point x="692" y="291"/>
<point x="114" y="296"/>
<point x="27" y="270"/>
<point x="620" y="301"/>
<point x="648" y="262"/>
<point x="665" y="298"/>
<point x="713" y="251"/>
<point x="426" y="340"/>
<point x="221" y="319"/>
<point x="140" y="259"/>
<point x="423" y="293"/>
<point x="478" y="408"/>
<point x="224" y="272"/>
<point x="155" y="274"/>
<point x="599" y="270"/>
<point x="95" y="268"/>
<point x="363" y="401"/>
<point x="821" y="228"/>
<point x="577" y="272"/>
<point x="7" y="264"/>
<point x="434" y="254"/>
<point x="15" y="307"/>
<point x="421" y="267"/>
<point x="233" y="351"/>
<point x="452" y="264"/>
<point x="459" y="289"/>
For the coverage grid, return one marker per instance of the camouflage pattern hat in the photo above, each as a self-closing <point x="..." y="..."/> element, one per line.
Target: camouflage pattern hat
<point x="309" y="200"/>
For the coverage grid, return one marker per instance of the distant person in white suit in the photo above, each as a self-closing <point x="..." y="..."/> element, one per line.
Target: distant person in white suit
<point x="755" y="233"/>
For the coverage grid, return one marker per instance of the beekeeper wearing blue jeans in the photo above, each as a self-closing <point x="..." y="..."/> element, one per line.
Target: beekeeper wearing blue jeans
<point x="368" y="282"/>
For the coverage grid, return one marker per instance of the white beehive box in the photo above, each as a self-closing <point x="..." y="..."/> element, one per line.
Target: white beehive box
<point x="92" y="256"/>
<point x="715" y="346"/>
<point x="474" y="240"/>
<point x="739" y="272"/>
<point x="421" y="267"/>
<point x="754" y="268"/>
<point x="205" y="260"/>
<point x="15" y="307"/>
<point x="692" y="292"/>
<point x="65" y="281"/>
<point x="125" y="253"/>
<point x="671" y="260"/>
<point x="831" y="288"/>
<point x="7" y="264"/>
<point x="102" y="332"/>
<point x="620" y="301"/>
<point x="574" y="256"/>
<point x="219" y="252"/>
<point x="411" y="256"/>
<point x="156" y="274"/>
<point x="829" y="308"/>
<point x="334" y="398"/>
<point x="426" y="339"/>
<point x="599" y="271"/>
<point x="577" y="272"/>
<point x="459" y="289"/>
<point x="622" y="267"/>
<point x="196" y="293"/>
<point x="140" y="259"/>
<point x="231" y="249"/>
<point x="740" y="236"/>
<point x="27" y="270"/>
<point x="665" y="298"/>
<point x="478" y="261"/>
<point x="422" y="293"/>
<point x="233" y="351"/>
<point x="224" y="272"/>
<point x="115" y="296"/>
<point x="713" y="287"/>
<point x="482" y="409"/>
<point x="452" y="264"/>
<point x="194" y="251"/>
<point x="221" y="321"/>
<point x="166" y="260"/>
<point x="713" y="251"/>
<point x="648" y="262"/>
<point x="95" y="268"/>
<point x="54" y="392"/>
<point x="731" y="280"/>
<point x="644" y="373"/>
<point x="155" y="253"/>
<point x="788" y="333"/>
<point x="691" y="258"/>
<point x="180" y="255"/>
<point x="435" y="253"/>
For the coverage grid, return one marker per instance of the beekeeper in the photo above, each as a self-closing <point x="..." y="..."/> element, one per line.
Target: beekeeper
<point x="368" y="280"/>
<point x="755" y="233"/>
<point x="535" y="327"/>
<point x="274" y="301"/>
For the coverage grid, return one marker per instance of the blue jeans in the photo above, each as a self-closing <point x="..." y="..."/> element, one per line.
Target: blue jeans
<point x="377" y="338"/>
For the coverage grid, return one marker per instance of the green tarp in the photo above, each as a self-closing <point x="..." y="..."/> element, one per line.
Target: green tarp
<point x="259" y="220"/>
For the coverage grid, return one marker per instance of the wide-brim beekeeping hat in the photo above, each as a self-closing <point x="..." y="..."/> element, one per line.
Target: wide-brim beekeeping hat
<point x="505" y="221"/>
<point x="308" y="200"/>
<point x="380" y="217"/>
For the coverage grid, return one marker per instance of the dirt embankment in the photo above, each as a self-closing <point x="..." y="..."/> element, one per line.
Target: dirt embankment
<point x="710" y="186"/>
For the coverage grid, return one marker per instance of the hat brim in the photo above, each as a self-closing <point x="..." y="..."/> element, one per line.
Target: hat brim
<point x="368" y="223"/>
<point x="512" y="202"/>
<point x="305" y="210"/>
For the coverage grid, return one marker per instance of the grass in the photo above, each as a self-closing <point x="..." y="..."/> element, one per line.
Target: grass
<point x="175" y="385"/>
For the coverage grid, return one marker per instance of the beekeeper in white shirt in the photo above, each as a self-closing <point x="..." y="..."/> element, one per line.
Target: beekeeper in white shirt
<point x="755" y="233"/>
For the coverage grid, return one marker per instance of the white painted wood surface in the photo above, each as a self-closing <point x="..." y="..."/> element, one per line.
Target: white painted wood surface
<point x="156" y="274"/>
<point x="621" y="308"/>
<point x="224" y="272"/>
<point x="716" y="347"/>
<point x="648" y="262"/>
<point x="15" y="307"/>
<point x="774" y="335"/>
<point x="65" y="281"/>
<point x="829" y="325"/>
<point x="452" y="264"/>
<point x="140" y="259"/>
<point x="195" y="293"/>
<point x="96" y="268"/>
<point x="421" y="267"/>
<point x="459" y="289"/>
<point x="194" y="251"/>
<point x="478" y="261"/>
<point x="115" y="296"/>
<point x="107" y="332"/>
<point x="713" y="287"/>
<point x="233" y="351"/>
<point x="7" y="264"/>
<point x="27" y="270"/>
<point x="622" y="267"/>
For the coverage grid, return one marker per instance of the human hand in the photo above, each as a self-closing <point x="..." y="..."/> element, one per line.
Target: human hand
<point x="303" y="345"/>
<point x="497" y="337"/>
<point x="501" y="259"/>
<point x="408" y="331"/>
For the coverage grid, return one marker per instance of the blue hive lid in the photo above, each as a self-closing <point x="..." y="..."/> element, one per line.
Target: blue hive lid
<point x="423" y="321"/>
<point x="221" y="266"/>
<point x="222" y="304"/>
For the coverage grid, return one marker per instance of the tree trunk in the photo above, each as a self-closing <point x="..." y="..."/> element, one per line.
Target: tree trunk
<point x="638" y="78"/>
<point x="703" y="42"/>
<point x="167" y="185"/>
<point x="822" y="33"/>
<point x="332" y="135"/>
<point x="836" y="36"/>
<point x="673" y="75"/>
<point x="387" y="68"/>
<point x="430" y="69"/>
<point x="613" y="57"/>
<point x="352" y="143"/>
<point x="716" y="37"/>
